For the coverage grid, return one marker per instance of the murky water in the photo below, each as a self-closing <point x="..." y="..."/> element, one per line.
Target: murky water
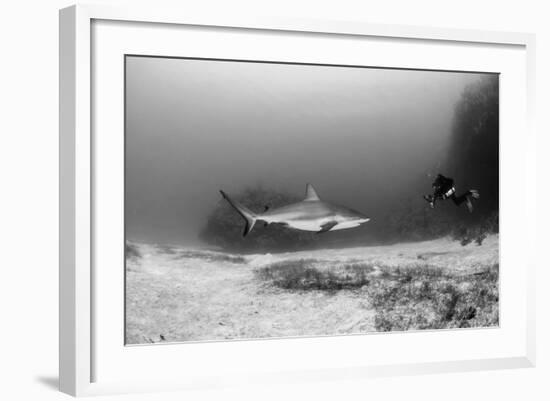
<point x="368" y="139"/>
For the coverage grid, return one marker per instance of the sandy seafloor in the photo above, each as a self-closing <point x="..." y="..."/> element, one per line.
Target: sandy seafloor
<point x="176" y="294"/>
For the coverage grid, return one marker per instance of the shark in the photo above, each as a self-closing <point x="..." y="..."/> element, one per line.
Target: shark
<point x="311" y="214"/>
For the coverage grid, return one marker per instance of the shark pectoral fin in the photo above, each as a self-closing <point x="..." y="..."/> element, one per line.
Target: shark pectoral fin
<point x="327" y="227"/>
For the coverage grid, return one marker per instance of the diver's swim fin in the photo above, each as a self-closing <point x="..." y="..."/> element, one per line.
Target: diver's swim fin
<point x="469" y="204"/>
<point x="430" y="200"/>
<point x="472" y="194"/>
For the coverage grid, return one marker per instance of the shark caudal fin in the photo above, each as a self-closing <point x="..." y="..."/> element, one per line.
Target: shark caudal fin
<point x="248" y="216"/>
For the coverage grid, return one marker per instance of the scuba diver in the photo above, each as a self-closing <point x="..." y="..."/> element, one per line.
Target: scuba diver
<point x="444" y="189"/>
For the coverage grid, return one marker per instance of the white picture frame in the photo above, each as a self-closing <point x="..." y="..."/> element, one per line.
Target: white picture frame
<point x="84" y="349"/>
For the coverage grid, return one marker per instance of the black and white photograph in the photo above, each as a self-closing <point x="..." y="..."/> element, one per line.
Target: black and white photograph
<point x="273" y="200"/>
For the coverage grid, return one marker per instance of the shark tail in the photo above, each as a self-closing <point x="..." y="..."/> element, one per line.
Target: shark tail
<point x="248" y="216"/>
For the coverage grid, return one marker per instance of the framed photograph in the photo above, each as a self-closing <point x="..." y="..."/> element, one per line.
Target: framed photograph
<point x="269" y="201"/>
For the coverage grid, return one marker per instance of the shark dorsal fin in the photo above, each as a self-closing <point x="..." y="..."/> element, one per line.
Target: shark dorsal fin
<point x="311" y="195"/>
